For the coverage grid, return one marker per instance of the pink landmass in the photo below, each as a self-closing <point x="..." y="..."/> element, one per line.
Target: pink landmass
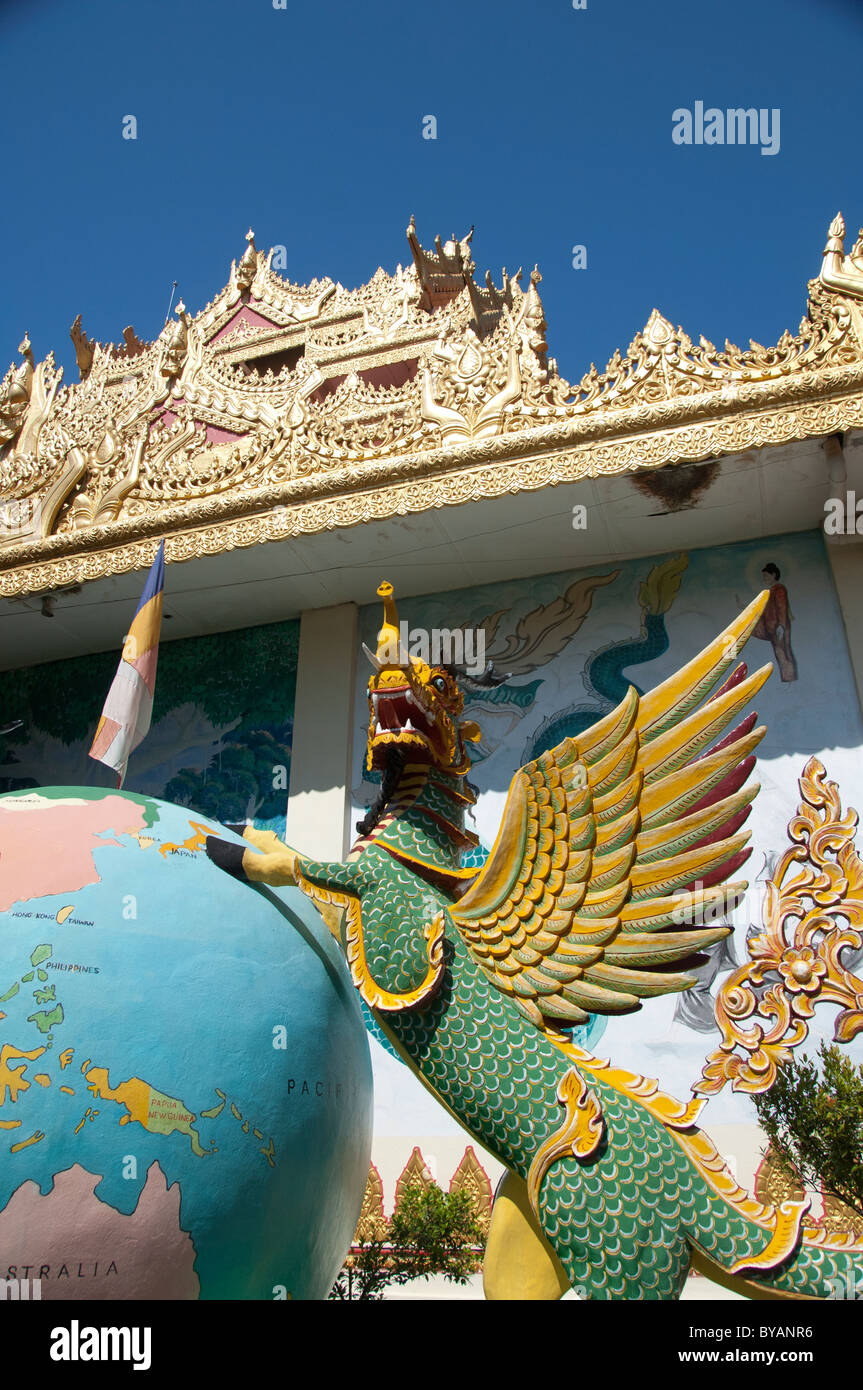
<point x="47" y="846"/>
<point x="82" y="1248"/>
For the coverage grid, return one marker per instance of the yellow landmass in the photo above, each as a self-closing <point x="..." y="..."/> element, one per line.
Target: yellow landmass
<point x="64" y="913"/>
<point x="157" y="1112"/>
<point x="67" y="1090"/>
<point x="10" y="1124"/>
<point x="42" y="1078"/>
<point x="195" y="841"/>
<point x="25" y="1143"/>
<point x="66" y="1057"/>
<point x="12" y="1079"/>
<point x="144" y="841"/>
<point x="88" y="1115"/>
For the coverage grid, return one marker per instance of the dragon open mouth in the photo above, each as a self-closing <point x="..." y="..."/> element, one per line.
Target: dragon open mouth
<point x="399" y="717"/>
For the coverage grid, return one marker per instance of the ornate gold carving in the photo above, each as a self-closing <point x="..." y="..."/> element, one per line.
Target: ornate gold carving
<point x="471" y="1177"/>
<point x="468" y="386"/>
<point x="26" y="397"/>
<point x="813" y="910"/>
<point x="782" y="1243"/>
<point x="373" y="1224"/>
<point x="414" y="1174"/>
<point x="579" y="1134"/>
<point x="85" y="348"/>
<point x="663" y="364"/>
<point x="398" y="308"/>
<point x="15" y="393"/>
<point x="776" y="1183"/>
<point x="841" y="273"/>
<point x="839" y="1217"/>
<point x="348" y="496"/>
<point x="117" y="475"/>
<point x="245" y="273"/>
<point x="173" y="343"/>
<point x="420" y="389"/>
<point x="444" y="272"/>
<point x="674" y="1113"/>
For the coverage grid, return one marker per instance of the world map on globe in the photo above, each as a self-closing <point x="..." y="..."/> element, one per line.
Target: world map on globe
<point x="185" y="1083"/>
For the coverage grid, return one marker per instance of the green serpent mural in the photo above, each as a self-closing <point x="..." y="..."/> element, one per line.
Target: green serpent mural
<point x="603" y="671"/>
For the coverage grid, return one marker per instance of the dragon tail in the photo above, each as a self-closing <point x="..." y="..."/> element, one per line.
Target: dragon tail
<point x="763" y="1250"/>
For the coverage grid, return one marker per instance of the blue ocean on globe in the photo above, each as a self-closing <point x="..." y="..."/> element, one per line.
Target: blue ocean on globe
<point x="185" y="1080"/>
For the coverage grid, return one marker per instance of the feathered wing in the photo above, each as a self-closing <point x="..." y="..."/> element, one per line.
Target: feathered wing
<point x="616" y="846"/>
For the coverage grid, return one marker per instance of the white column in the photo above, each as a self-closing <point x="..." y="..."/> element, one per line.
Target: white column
<point x="319" y="794"/>
<point x="846" y="562"/>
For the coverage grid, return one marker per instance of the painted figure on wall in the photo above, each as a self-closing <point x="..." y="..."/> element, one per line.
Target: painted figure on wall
<point x="774" y="626"/>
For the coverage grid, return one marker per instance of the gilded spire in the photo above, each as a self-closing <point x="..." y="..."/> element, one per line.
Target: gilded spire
<point x="248" y="266"/>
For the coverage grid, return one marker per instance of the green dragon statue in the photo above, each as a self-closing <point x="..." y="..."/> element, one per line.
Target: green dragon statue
<point x="613" y="856"/>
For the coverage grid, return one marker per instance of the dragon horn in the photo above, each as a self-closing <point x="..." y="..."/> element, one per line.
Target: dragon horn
<point x="389" y="651"/>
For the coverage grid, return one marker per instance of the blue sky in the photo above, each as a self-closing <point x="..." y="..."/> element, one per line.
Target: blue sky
<point x="554" y="130"/>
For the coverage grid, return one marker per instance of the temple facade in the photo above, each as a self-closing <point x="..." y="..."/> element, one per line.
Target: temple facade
<point x="295" y="444"/>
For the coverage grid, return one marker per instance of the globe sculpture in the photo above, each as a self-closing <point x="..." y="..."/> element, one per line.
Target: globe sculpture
<point x="185" y="1080"/>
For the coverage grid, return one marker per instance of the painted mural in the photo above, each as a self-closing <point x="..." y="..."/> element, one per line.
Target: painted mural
<point x="565" y="648"/>
<point x="220" y="741"/>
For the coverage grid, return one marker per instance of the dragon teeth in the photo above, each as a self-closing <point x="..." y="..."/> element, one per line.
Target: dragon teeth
<point x="412" y="699"/>
<point x="409" y="728"/>
<point x="378" y="729"/>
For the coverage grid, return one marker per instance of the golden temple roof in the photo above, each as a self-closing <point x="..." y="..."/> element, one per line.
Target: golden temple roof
<point x="281" y="409"/>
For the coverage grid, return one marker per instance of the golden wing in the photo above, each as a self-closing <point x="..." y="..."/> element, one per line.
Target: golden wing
<point x="614" y="844"/>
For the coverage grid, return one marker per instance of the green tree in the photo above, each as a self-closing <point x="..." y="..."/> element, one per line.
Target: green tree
<point x="431" y="1232"/>
<point x="239" y="779"/>
<point x="814" y="1121"/>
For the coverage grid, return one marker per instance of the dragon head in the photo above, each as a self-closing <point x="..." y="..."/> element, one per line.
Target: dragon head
<point x="413" y="707"/>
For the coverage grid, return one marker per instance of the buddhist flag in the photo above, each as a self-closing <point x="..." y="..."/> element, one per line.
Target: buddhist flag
<point x="126" y="716"/>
